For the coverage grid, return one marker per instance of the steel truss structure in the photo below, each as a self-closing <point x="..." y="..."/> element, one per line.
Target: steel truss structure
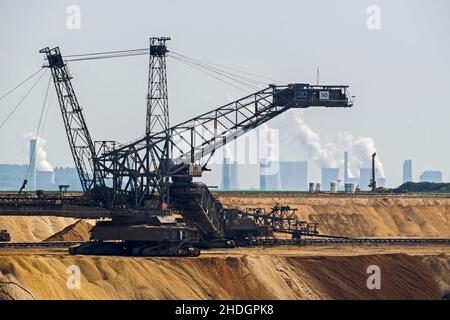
<point x="157" y="98"/>
<point x="282" y="219"/>
<point x="80" y="142"/>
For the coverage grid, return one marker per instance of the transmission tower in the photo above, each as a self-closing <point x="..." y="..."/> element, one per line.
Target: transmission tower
<point x="157" y="102"/>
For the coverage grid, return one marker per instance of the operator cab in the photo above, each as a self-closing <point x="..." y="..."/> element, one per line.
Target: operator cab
<point x="302" y="95"/>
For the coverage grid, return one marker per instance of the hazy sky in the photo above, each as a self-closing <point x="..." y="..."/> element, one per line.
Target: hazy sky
<point x="400" y="74"/>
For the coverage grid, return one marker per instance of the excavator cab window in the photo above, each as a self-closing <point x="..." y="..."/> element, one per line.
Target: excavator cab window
<point x="301" y="94"/>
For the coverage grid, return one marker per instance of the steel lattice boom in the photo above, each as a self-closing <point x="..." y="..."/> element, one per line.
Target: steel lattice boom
<point x="81" y="145"/>
<point x="132" y="171"/>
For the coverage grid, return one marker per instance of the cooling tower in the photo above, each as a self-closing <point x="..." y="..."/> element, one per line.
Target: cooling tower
<point x="294" y="175"/>
<point x="269" y="176"/>
<point x="365" y="174"/>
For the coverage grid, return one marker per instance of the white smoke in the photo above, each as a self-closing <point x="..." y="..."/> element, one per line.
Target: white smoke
<point x="41" y="155"/>
<point x="329" y="153"/>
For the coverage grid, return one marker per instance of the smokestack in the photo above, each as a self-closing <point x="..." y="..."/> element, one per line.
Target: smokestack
<point x="373" y="181"/>
<point x="32" y="166"/>
<point x="346" y="167"/>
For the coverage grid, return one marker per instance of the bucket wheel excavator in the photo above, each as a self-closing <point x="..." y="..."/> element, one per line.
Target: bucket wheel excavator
<point x="140" y="185"/>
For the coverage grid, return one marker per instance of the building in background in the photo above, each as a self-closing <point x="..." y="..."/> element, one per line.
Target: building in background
<point x="12" y="175"/>
<point x="365" y="174"/>
<point x="329" y="175"/>
<point x="67" y="176"/>
<point x="226" y="175"/>
<point x="294" y="175"/>
<point x="269" y="176"/>
<point x="45" y="180"/>
<point x="234" y="171"/>
<point x="407" y="171"/>
<point x="381" y="182"/>
<point x="229" y="175"/>
<point x="431" y="176"/>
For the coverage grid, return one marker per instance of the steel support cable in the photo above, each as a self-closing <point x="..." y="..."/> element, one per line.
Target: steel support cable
<point x="32" y="152"/>
<point x="222" y="73"/>
<point x="127" y="53"/>
<point x="219" y="76"/>
<point x="22" y="100"/>
<point x="107" y="57"/>
<point x="44" y="120"/>
<point x="21" y="83"/>
<point x="105" y="53"/>
<point x="142" y="51"/>
<point x="226" y="67"/>
<point x="234" y="75"/>
<point x="211" y="75"/>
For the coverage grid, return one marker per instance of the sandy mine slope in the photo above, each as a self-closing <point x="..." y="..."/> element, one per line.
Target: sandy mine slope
<point x="218" y="276"/>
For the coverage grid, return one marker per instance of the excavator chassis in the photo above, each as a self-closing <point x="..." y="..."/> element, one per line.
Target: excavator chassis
<point x="135" y="248"/>
<point x="143" y="233"/>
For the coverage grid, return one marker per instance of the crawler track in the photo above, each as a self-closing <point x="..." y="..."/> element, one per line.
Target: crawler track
<point x="269" y="242"/>
<point x="353" y="241"/>
<point x="24" y="245"/>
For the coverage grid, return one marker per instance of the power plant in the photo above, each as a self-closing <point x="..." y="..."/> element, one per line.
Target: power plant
<point x="407" y="171"/>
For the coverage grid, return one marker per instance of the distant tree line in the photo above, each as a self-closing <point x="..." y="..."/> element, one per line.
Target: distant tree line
<point x="425" y="187"/>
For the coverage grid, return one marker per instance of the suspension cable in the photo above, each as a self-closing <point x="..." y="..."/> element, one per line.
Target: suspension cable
<point x="211" y="75"/>
<point x="105" y="53"/>
<point x="239" y="79"/>
<point x="218" y="75"/>
<point x="21" y="83"/>
<point x="226" y="67"/>
<point x="210" y="66"/>
<point x="107" y="57"/>
<point x="22" y="100"/>
<point x="33" y="151"/>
